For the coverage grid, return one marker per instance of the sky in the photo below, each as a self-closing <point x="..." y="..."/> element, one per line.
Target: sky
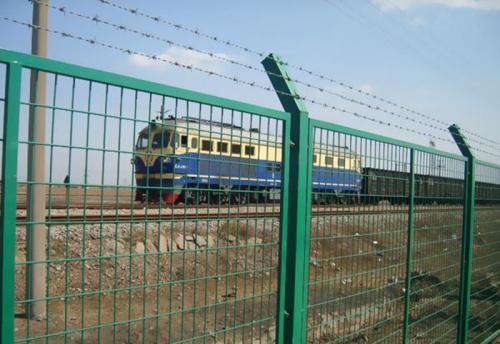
<point x="437" y="57"/>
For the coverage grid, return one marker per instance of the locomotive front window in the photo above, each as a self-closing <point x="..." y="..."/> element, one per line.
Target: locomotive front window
<point x="142" y="141"/>
<point x="161" y="139"/>
<point x="341" y="162"/>
<point x="328" y="160"/>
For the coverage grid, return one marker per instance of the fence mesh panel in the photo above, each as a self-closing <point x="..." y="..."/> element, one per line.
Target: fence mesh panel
<point x="485" y="292"/>
<point x="435" y="274"/>
<point x="357" y="251"/>
<point x="162" y="218"/>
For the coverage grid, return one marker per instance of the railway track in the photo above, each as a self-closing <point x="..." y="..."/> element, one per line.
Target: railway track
<point x="218" y="214"/>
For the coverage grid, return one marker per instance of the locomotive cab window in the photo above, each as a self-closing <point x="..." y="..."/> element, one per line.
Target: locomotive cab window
<point x="341" y="162"/>
<point x="194" y="142"/>
<point x="328" y="160"/>
<point x="249" y="150"/>
<point x="222" y="147"/>
<point x="206" y="145"/>
<point x="142" y="141"/>
<point x="236" y="149"/>
<point x="315" y="158"/>
<point x="161" y="139"/>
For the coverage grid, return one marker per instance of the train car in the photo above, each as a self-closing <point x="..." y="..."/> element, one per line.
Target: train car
<point x="384" y="185"/>
<point x="197" y="161"/>
<point x="487" y="193"/>
<point x="393" y="186"/>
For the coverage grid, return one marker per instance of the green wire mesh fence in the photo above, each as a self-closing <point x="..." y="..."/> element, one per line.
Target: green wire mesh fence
<point x="357" y="249"/>
<point x="485" y="287"/>
<point x="162" y="224"/>
<point x="437" y="234"/>
<point x="384" y="264"/>
<point x="165" y="219"/>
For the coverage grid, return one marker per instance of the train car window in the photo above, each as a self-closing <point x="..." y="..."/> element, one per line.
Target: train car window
<point x="207" y="145"/>
<point x="235" y="149"/>
<point x="315" y="158"/>
<point x="222" y="147"/>
<point x="194" y="142"/>
<point x="249" y="150"/>
<point x="142" y="141"/>
<point x="160" y="140"/>
<point x="328" y="160"/>
<point x="184" y="141"/>
<point x="341" y="162"/>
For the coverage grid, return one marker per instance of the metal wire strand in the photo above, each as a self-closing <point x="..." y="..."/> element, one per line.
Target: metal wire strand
<point x="98" y="20"/>
<point x="235" y="79"/>
<point x="158" y="19"/>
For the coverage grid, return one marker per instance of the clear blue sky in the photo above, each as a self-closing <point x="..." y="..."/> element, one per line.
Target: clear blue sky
<point x="439" y="57"/>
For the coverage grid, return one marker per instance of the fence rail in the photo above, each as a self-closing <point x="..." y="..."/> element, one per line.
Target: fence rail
<point x="175" y="216"/>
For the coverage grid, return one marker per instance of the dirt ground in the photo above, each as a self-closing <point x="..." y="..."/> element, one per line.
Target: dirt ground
<point x="216" y="281"/>
<point x="358" y="271"/>
<point x="213" y="281"/>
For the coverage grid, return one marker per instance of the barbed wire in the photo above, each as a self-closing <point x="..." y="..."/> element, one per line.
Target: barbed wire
<point x="331" y="80"/>
<point x="235" y="79"/>
<point x="480" y="137"/>
<point x="96" y="19"/>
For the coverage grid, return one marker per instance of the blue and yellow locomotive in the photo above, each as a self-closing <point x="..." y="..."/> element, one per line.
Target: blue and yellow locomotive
<point x="198" y="161"/>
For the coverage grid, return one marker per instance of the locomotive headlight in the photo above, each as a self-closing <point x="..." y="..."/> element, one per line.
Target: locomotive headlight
<point x="166" y="159"/>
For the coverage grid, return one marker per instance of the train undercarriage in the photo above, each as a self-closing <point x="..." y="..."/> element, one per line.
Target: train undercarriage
<point x="215" y="195"/>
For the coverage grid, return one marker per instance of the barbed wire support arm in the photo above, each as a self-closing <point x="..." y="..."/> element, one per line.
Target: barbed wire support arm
<point x="292" y="313"/>
<point x="467" y="234"/>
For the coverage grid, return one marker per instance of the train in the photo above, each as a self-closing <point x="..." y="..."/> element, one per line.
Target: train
<point x="196" y="161"/>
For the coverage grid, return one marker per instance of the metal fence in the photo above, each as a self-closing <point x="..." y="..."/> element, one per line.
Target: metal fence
<point x="174" y="216"/>
<point x="386" y="270"/>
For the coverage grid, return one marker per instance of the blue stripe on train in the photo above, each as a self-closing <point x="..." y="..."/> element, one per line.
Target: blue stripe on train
<point x="206" y="169"/>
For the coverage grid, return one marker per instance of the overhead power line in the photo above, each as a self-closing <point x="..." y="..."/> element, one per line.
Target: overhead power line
<point x="99" y="20"/>
<point x="158" y="19"/>
<point x="235" y="79"/>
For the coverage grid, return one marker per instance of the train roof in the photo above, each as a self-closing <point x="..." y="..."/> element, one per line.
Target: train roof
<point x="226" y="129"/>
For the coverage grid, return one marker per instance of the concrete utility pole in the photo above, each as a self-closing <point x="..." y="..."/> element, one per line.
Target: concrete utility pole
<point x="36" y="231"/>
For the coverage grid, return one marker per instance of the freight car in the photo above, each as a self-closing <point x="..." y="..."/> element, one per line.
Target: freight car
<point x="393" y="187"/>
<point x="198" y="161"/>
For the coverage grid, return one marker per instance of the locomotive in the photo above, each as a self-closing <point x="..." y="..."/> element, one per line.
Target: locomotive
<point x="199" y="161"/>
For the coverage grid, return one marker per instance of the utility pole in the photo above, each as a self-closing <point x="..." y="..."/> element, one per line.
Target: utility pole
<point x="36" y="230"/>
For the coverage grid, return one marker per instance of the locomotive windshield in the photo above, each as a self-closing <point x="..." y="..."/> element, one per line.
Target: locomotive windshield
<point x="161" y="139"/>
<point x="142" y="141"/>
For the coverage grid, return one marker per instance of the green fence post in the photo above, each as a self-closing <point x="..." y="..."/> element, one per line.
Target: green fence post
<point x="467" y="235"/>
<point x="293" y="323"/>
<point x="409" y="245"/>
<point x="8" y="202"/>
